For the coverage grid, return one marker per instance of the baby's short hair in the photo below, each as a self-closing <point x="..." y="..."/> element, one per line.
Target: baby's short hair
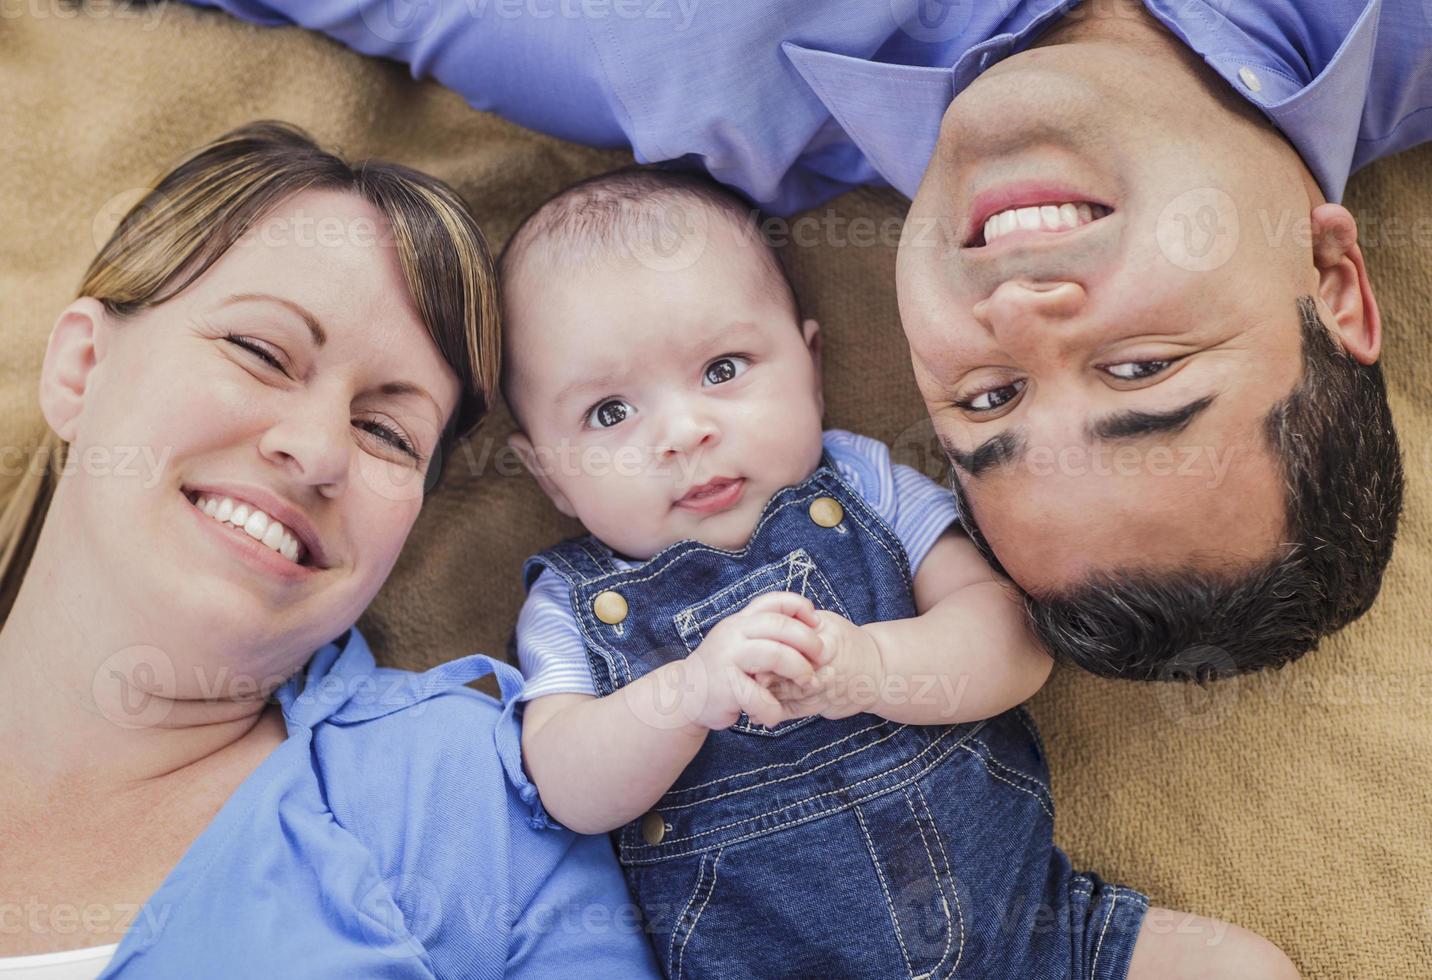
<point x="634" y="213"/>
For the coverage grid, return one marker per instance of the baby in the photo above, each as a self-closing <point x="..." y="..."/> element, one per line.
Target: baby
<point x="775" y="666"/>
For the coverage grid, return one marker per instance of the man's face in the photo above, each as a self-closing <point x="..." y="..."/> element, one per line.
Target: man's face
<point x="1100" y="373"/>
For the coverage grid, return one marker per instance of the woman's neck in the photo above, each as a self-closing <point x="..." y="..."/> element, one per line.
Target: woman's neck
<point x="90" y="698"/>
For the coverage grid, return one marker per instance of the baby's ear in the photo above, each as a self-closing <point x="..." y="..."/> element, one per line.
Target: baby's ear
<point x="810" y="331"/>
<point x="536" y="464"/>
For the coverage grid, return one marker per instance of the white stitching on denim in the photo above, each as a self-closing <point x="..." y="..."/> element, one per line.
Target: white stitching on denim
<point x="626" y="859"/>
<point x="1023" y="789"/>
<point x="838" y="790"/>
<point x="1024" y="719"/>
<point x="1094" y="966"/>
<point x="782" y="765"/>
<point x="890" y="905"/>
<point x="676" y="926"/>
<point x="1044" y="788"/>
<point x="935" y="871"/>
<point x="797" y="775"/>
<point x="954" y="888"/>
<point x="792" y="559"/>
<point x="710" y="890"/>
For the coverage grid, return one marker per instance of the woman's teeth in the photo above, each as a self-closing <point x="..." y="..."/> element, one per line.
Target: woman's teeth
<point x="253" y="522"/>
<point x="1047" y="217"/>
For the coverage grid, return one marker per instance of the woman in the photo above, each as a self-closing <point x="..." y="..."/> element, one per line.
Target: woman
<point x="246" y="402"/>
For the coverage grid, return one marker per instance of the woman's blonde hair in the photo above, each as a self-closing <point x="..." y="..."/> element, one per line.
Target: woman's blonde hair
<point x="206" y="203"/>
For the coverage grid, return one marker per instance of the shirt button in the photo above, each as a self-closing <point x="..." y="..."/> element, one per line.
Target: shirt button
<point x="653" y="827"/>
<point x="610" y="607"/>
<point x="1250" y="78"/>
<point x="826" y="511"/>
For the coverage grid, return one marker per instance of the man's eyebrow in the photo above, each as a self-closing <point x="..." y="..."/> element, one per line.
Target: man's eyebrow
<point x="320" y="337"/>
<point x="1007" y="447"/>
<point x="1135" y="425"/>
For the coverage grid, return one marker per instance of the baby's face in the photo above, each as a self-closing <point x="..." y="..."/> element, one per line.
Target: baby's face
<point x="662" y="405"/>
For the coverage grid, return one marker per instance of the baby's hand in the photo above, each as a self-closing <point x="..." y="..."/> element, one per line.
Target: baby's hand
<point x="849" y="680"/>
<point x="773" y="637"/>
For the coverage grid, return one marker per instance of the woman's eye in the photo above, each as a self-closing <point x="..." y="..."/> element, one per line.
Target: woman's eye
<point x="255" y="348"/>
<point x="389" y="435"/>
<point x="609" y="413"/>
<point x="988" y="401"/>
<point x="1135" y="370"/>
<point x="723" y="369"/>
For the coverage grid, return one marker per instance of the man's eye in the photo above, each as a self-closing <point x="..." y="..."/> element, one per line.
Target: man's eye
<point x="1135" y="370"/>
<point x="609" y="413"/>
<point x="988" y="401"/>
<point x="723" y="369"/>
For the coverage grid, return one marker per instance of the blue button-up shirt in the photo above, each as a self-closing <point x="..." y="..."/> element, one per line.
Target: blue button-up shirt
<point x="393" y="834"/>
<point x="794" y="101"/>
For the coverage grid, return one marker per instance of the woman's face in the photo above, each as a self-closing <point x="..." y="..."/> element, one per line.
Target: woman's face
<point x="294" y="376"/>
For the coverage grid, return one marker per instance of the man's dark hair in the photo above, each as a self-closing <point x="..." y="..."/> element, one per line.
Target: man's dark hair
<point x="1337" y="451"/>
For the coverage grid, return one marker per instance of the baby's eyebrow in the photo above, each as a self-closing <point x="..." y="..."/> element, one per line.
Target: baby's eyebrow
<point x="578" y="386"/>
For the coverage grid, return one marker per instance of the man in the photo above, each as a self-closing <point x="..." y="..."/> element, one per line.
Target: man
<point x="1139" y="319"/>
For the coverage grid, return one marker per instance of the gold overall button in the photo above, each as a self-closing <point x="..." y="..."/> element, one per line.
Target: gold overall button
<point x="610" y="607"/>
<point x="826" y="511"/>
<point x="653" y="827"/>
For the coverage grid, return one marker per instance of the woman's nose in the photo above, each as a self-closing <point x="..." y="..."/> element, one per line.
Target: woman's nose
<point x="1027" y="310"/>
<point x="313" y="450"/>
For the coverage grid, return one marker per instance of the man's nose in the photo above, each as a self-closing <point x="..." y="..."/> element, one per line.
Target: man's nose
<point x="1022" y="311"/>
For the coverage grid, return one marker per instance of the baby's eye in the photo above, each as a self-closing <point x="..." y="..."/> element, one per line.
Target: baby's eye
<point x="1135" y="370"/>
<point x="723" y="369"/>
<point x="608" y="413"/>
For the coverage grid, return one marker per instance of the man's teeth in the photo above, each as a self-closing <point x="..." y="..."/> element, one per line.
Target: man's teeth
<point x="253" y="522"/>
<point x="1048" y="217"/>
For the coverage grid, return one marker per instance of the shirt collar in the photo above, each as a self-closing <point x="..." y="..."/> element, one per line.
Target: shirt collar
<point x="892" y="112"/>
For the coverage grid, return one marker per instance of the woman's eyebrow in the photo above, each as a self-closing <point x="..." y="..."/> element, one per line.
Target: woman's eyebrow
<point x="401" y="388"/>
<point x="315" y="329"/>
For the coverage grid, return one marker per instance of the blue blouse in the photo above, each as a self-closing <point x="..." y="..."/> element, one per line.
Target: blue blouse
<point x="393" y="834"/>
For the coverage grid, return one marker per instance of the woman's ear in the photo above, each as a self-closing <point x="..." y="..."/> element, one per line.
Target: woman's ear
<point x="77" y="343"/>
<point x="521" y="445"/>
<point x="1343" y="285"/>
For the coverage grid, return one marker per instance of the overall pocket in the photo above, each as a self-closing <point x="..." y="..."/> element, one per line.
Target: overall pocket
<point x="797" y="572"/>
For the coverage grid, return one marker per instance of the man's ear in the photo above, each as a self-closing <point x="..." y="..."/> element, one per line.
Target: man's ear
<point x="520" y="444"/>
<point x="810" y="333"/>
<point x="1343" y="285"/>
<point x="77" y="344"/>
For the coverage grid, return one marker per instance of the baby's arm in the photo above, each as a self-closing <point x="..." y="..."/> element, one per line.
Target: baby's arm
<point x="601" y="762"/>
<point x="967" y="655"/>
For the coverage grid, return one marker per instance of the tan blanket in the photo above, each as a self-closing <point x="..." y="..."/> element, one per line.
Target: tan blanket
<point x="1298" y="803"/>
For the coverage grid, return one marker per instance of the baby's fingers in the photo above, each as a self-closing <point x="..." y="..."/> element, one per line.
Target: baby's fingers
<point x="770" y="656"/>
<point x="758" y="703"/>
<point x="786" y="604"/>
<point x="785" y="629"/>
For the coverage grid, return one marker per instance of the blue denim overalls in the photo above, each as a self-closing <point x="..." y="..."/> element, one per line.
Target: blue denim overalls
<point x="835" y="849"/>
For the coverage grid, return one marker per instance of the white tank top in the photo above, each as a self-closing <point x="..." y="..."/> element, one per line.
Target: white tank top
<point x="72" y="964"/>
